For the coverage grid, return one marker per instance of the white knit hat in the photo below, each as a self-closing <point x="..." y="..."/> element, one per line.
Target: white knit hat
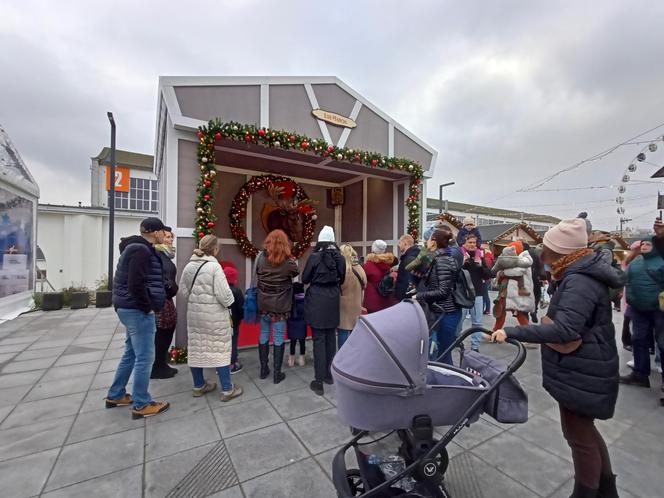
<point x="326" y="234"/>
<point x="567" y="236"/>
<point x="468" y="221"/>
<point x="379" y="246"/>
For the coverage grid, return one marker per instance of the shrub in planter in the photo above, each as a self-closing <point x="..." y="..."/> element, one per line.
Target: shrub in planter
<point x="52" y="301"/>
<point x="79" y="300"/>
<point x="104" y="298"/>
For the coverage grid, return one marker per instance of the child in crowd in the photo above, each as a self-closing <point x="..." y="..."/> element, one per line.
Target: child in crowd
<point x="420" y="265"/>
<point x="509" y="260"/>
<point x="297" y="327"/>
<point x="237" y="314"/>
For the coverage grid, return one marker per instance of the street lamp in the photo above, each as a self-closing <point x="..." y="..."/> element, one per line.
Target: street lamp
<point x="440" y="196"/>
<point x="111" y="204"/>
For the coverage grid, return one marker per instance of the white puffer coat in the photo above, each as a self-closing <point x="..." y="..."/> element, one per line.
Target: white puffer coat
<point x="208" y="318"/>
<point x="514" y="301"/>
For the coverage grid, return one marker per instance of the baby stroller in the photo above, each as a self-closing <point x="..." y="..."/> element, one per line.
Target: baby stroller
<point x="384" y="382"/>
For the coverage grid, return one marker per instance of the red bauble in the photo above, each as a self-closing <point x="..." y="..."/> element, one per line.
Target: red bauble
<point x="357" y="158"/>
<point x="206" y="197"/>
<point x="326" y="153"/>
<point x="218" y="136"/>
<point x="210" y="225"/>
<point x="374" y="162"/>
<point x="207" y="183"/>
<point x="291" y="138"/>
<point x="330" y="148"/>
<point x="200" y="135"/>
<point x="201" y="234"/>
<point x="261" y="132"/>
<point x="247" y="138"/>
<point x="305" y="145"/>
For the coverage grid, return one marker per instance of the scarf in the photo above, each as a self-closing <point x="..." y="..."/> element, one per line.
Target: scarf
<point x="559" y="267"/>
<point x="478" y="256"/>
<point x="168" y="251"/>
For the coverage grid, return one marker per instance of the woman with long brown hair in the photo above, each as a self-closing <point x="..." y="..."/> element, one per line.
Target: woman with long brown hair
<point x="275" y="269"/>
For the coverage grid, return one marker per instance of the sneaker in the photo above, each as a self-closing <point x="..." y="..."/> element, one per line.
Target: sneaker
<point x="234" y="393"/>
<point x="151" y="409"/>
<point x="124" y="401"/>
<point x="630" y="364"/>
<point x="635" y="380"/>
<point x="236" y="367"/>
<point x="658" y="369"/>
<point x="202" y="391"/>
<point x="317" y="387"/>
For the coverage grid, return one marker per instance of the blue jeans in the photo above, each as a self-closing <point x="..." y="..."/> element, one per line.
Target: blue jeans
<point x="224" y="374"/>
<point x="342" y="335"/>
<point x="476" y="318"/>
<point x="138" y="356"/>
<point x="644" y="325"/>
<point x="279" y="328"/>
<point x="447" y="332"/>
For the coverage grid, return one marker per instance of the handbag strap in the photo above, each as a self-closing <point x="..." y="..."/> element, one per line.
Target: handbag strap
<point x="363" y="284"/>
<point x="196" y="275"/>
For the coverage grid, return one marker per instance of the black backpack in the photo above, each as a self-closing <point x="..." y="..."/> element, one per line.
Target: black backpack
<point x="464" y="291"/>
<point x="386" y="284"/>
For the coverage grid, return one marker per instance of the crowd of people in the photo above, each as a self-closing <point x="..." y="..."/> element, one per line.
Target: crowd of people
<point x="449" y="276"/>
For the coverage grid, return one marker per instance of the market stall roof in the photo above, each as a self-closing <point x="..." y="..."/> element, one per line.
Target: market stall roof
<point x="12" y="168"/>
<point x="319" y="107"/>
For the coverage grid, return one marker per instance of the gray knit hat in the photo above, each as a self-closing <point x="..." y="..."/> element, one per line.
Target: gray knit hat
<point x="584" y="216"/>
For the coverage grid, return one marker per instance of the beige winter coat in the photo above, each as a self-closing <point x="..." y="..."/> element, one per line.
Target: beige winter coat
<point x="208" y="317"/>
<point x="352" y="297"/>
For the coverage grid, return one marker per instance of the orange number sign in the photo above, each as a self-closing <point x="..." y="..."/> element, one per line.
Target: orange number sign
<point x="121" y="179"/>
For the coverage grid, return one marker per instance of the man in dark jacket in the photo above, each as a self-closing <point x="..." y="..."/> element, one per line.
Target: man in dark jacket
<point x="473" y="262"/>
<point x="409" y="252"/>
<point x="138" y="291"/>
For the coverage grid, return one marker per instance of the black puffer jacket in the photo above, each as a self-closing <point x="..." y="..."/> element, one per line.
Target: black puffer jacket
<point x="439" y="284"/>
<point x="585" y="381"/>
<point x="139" y="279"/>
<point x="170" y="274"/>
<point x="325" y="273"/>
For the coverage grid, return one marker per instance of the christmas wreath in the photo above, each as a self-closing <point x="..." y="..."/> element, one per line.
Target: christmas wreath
<point x="217" y="130"/>
<point x="287" y="195"/>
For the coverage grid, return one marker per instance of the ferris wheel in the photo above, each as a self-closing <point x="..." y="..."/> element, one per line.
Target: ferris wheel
<point x="642" y="157"/>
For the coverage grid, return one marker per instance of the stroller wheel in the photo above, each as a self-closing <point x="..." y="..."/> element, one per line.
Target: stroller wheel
<point x="355" y="482"/>
<point x="443" y="461"/>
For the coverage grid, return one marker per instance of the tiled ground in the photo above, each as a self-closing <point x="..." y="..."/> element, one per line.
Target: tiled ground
<point x="57" y="440"/>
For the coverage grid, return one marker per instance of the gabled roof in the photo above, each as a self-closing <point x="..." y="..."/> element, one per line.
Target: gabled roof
<point x="125" y="158"/>
<point x="12" y="168"/>
<point x="493" y="233"/>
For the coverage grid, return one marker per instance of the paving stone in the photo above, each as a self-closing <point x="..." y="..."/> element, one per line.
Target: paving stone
<point x="181" y="383"/>
<point x="39" y="353"/>
<point x="33" y="438"/>
<point x="12" y="395"/>
<point x="125" y="483"/>
<point x="477" y="433"/>
<point x="81" y="461"/>
<point x="264" y="450"/>
<point x="288" y="482"/>
<point x="51" y="389"/>
<point x="20" y="379"/>
<point x="112" y="354"/>
<point x="94" y="401"/>
<point x="245" y="417"/>
<point x="4" y="411"/>
<point x="93" y="339"/>
<point x="12" y="348"/>
<point x="234" y="492"/>
<point x="44" y="409"/>
<point x="290" y="383"/>
<point x="540" y="431"/>
<point x="180" y="434"/>
<point x="298" y="403"/>
<point x="28" y="365"/>
<point x="163" y="474"/>
<point x="320" y="431"/>
<point x="105" y="380"/>
<point x="17" y="340"/>
<point x="108" y="366"/>
<point x="81" y="370"/>
<point x="182" y="405"/>
<point x="492" y="482"/>
<point x="6" y="357"/>
<point x="538" y="470"/>
<point x="73" y="359"/>
<point x="49" y="344"/>
<point x="25" y="476"/>
<point x="325" y="459"/>
<point x="90" y="425"/>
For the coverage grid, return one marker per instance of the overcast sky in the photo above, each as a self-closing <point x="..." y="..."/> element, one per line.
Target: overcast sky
<point x="508" y="92"/>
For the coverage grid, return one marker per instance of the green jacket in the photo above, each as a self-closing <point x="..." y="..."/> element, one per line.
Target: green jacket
<point x="645" y="280"/>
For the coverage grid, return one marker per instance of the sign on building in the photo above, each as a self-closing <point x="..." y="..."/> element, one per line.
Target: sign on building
<point x="121" y="179"/>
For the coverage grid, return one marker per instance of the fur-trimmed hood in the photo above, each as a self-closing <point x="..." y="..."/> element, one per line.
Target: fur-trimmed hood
<point x="386" y="258"/>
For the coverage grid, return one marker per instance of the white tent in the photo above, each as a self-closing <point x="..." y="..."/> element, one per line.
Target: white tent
<point x="19" y="195"/>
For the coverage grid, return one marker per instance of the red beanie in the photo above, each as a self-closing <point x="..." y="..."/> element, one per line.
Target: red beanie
<point x="231" y="275"/>
<point x="518" y="245"/>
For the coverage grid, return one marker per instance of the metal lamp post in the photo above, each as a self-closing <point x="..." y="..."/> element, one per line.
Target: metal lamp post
<point x="111" y="204"/>
<point x="440" y="196"/>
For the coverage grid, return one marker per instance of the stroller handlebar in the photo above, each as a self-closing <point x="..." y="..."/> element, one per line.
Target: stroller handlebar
<point x="511" y="368"/>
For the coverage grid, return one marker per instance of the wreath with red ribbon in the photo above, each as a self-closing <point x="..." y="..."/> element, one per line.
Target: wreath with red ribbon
<point x="290" y="189"/>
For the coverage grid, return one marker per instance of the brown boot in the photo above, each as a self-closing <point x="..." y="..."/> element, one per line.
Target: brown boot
<point x="124" y="401"/>
<point x="149" y="410"/>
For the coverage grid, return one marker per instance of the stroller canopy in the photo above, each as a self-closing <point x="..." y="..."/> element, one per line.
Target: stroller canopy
<point x="387" y="351"/>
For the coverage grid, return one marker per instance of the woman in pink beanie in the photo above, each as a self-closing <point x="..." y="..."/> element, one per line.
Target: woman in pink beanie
<point x="579" y="355"/>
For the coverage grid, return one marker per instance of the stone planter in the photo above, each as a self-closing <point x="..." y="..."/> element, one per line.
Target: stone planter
<point x="52" y="301"/>
<point x="79" y="300"/>
<point x="104" y="299"/>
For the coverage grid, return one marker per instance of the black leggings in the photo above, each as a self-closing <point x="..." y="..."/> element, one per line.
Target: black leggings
<point x="303" y="346"/>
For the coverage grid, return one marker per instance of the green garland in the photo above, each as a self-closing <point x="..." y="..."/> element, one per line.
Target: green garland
<point x="216" y="131"/>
